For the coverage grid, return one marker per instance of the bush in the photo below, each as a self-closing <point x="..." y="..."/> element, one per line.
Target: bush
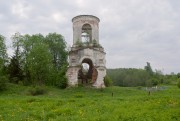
<point x="152" y="82"/>
<point x="37" y="91"/>
<point x="79" y="43"/>
<point x="107" y="81"/>
<point x="3" y="81"/>
<point x="139" y="87"/>
<point x="178" y="84"/>
<point x="63" y="82"/>
<point x="155" y="82"/>
<point x="14" y="80"/>
<point x="149" y="83"/>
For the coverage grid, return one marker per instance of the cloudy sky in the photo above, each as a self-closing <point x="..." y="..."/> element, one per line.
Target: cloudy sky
<point x="132" y="32"/>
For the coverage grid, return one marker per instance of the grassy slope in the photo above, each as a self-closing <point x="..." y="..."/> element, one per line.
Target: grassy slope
<point x="90" y="104"/>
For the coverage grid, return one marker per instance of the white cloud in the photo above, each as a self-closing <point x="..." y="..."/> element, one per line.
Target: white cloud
<point x="20" y="9"/>
<point x="58" y="17"/>
<point x="132" y="32"/>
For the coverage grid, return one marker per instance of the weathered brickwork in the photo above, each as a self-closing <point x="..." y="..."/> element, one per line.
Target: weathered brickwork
<point x="90" y="52"/>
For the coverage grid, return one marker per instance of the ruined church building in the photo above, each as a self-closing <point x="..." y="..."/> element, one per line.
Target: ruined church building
<point x="86" y="51"/>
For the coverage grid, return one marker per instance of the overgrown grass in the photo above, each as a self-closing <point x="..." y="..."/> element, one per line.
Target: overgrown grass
<point x="84" y="103"/>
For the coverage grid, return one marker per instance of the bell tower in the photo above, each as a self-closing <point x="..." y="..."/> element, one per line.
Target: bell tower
<point x="87" y="64"/>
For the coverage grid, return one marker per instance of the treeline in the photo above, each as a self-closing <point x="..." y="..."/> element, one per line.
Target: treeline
<point x="141" y="77"/>
<point x="37" y="60"/>
<point x="42" y="60"/>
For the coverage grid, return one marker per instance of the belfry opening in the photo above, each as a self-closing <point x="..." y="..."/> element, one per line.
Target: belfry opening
<point x="86" y="35"/>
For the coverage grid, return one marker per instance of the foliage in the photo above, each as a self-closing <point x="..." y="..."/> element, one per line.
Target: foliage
<point x="39" y="63"/>
<point x="3" y="49"/>
<point x="128" y="77"/>
<point x="152" y="82"/>
<point x="57" y="47"/>
<point x="107" y="81"/>
<point x="178" y="75"/>
<point x="155" y="82"/>
<point x="79" y="43"/>
<point x="37" y="59"/>
<point x="15" y="67"/>
<point x="3" y="56"/>
<point x="149" y="83"/>
<point x="95" y="43"/>
<point x="37" y="90"/>
<point x="3" y="81"/>
<point x="149" y="69"/>
<point x="62" y="81"/>
<point x="88" y="43"/>
<point x="14" y="70"/>
<point x="170" y="79"/>
<point x="178" y="84"/>
<point x="17" y="44"/>
<point x="140" y="77"/>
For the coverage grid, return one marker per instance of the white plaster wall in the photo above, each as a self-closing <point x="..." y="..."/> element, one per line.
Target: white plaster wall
<point x="72" y="75"/>
<point x="100" y="79"/>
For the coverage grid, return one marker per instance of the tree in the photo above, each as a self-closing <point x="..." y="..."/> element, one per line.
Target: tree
<point x="14" y="70"/>
<point x="57" y="48"/>
<point x="149" y="69"/>
<point x="15" y="66"/>
<point x="3" y="62"/>
<point x="149" y="83"/>
<point x="178" y="75"/>
<point x="17" y="45"/>
<point x="128" y="76"/>
<point x="178" y="83"/>
<point x="3" y="55"/>
<point x="107" y="81"/>
<point x="38" y="59"/>
<point x="39" y="63"/>
<point x="28" y="42"/>
<point x="61" y="79"/>
<point x="154" y="81"/>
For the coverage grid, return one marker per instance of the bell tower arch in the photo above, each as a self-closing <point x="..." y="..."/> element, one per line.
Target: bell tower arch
<point x="86" y="49"/>
<point x="86" y="33"/>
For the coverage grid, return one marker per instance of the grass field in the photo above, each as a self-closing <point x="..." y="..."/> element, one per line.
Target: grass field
<point x="84" y="103"/>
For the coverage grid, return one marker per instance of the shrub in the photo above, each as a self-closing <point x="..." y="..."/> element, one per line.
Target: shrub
<point x="178" y="84"/>
<point x="79" y="43"/>
<point x="37" y="90"/>
<point x="62" y="83"/>
<point x="3" y="81"/>
<point x="139" y="87"/>
<point x="14" y="80"/>
<point x="149" y="83"/>
<point x="107" y="81"/>
<point x="155" y="82"/>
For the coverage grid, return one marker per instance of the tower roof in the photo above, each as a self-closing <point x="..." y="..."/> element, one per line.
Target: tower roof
<point x="79" y="16"/>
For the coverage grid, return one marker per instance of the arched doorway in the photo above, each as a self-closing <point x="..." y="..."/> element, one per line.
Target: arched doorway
<point x="87" y="75"/>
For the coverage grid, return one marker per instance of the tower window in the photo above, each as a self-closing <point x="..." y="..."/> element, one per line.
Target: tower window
<point x="86" y="35"/>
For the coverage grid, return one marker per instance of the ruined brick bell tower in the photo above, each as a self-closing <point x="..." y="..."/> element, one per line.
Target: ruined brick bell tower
<point x="87" y="64"/>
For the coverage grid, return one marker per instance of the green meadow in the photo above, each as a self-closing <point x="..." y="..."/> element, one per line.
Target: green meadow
<point x="89" y="104"/>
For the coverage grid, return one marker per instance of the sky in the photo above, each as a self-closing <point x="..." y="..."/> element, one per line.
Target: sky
<point x="132" y="32"/>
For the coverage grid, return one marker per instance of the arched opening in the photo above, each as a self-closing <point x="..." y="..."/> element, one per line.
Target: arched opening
<point x="85" y="37"/>
<point x="86" y="33"/>
<point x="87" y="75"/>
